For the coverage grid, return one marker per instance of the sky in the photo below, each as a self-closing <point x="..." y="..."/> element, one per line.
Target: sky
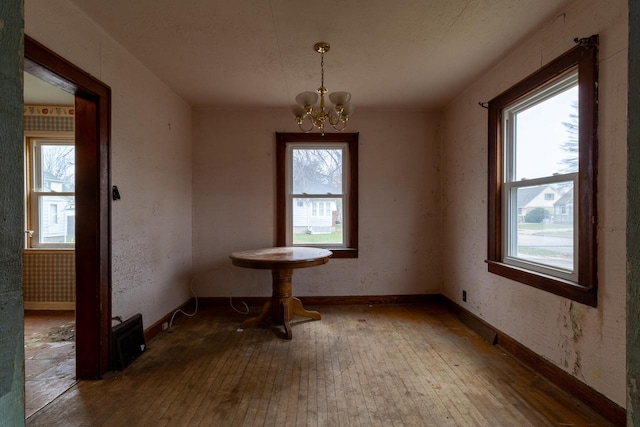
<point x="540" y="133"/>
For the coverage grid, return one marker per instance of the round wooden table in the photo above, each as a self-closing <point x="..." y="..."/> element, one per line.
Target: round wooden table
<point x="281" y="261"/>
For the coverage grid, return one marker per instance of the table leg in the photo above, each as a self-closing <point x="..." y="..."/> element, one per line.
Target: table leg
<point x="299" y="310"/>
<point x="264" y="315"/>
<point x="285" y="321"/>
<point x="281" y="299"/>
<point x="282" y="306"/>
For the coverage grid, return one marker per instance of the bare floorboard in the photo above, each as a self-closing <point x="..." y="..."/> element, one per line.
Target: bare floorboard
<point x="388" y="365"/>
<point x="49" y="358"/>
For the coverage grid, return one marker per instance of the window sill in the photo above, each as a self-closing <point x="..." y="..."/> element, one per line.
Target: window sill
<point x="554" y="285"/>
<point x="344" y="252"/>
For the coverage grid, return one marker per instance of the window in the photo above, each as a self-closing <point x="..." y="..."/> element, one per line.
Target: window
<point x="51" y="193"/>
<point x="53" y="211"/>
<point x="317" y="191"/>
<point x="542" y="150"/>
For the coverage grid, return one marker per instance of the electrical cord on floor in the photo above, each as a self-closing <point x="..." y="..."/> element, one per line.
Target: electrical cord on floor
<point x="246" y="307"/>
<point x="183" y="312"/>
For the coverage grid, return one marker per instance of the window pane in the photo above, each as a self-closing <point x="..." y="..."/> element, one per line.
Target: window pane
<point x="544" y="223"/>
<point x="546" y="137"/>
<point x="317" y="171"/>
<point x="57" y="219"/>
<point x="317" y="221"/>
<point x="57" y="168"/>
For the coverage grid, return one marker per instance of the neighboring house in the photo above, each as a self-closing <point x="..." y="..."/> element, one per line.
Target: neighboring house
<point x="536" y="197"/>
<point x="563" y="208"/>
<point x="316" y="215"/>
<point x="57" y="213"/>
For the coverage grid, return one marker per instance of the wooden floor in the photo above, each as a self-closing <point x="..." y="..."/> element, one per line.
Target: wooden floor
<point x="49" y="356"/>
<point x="358" y="366"/>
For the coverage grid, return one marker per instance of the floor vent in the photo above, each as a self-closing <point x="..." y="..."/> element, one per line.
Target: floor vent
<point x="127" y="342"/>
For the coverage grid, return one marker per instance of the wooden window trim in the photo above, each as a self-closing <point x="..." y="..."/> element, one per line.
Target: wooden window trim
<point x="351" y="139"/>
<point x="585" y="57"/>
<point x="32" y="217"/>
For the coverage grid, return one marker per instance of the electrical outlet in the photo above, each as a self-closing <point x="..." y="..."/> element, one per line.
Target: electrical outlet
<point x="165" y="326"/>
<point x="464" y="296"/>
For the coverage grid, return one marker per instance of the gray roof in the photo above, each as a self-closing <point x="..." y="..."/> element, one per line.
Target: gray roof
<point x="526" y="195"/>
<point x="565" y="199"/>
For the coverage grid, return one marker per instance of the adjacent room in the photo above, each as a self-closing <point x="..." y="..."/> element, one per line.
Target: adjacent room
<point x="463" y="193"/>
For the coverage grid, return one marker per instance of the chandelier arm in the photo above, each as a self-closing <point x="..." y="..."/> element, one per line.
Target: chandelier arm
<point x="334" y="118"/>
<point x="338" y="127"/>
<point x="300" y="122"/>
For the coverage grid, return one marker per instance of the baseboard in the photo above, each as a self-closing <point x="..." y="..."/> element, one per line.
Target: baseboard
<point x="589" y="396"/>
<point x="156" y="328"/>
<point x="330" y="300"/>
<point x="49" y="305"/>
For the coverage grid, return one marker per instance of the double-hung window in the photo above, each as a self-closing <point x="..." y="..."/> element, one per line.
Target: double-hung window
<point x="50" y="193"/>
<point x="542" y="175"/>
<point x="317" y="191"/>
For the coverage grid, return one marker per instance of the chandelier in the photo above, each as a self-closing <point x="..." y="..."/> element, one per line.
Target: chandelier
<point x="317" y="115"/>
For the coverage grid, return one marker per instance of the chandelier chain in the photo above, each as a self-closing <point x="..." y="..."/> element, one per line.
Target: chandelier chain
<point x="322" y="69"/>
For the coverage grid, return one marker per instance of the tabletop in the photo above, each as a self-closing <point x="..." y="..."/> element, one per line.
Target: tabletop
<point x="281" y="257"/>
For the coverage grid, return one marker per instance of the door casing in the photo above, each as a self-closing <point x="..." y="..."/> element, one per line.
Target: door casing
<point x="93" y="208"/>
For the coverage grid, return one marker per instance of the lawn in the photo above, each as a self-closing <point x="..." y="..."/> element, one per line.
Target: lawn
<point x="524" y="250"/>
<point x="547" y="229"/>
<point x="335" y="237"/>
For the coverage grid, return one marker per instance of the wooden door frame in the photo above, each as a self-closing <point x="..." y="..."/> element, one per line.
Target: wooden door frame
<point x="93" y="207"/>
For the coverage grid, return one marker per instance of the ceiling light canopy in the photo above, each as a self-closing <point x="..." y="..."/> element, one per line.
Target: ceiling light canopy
<point x="315" y="114"/>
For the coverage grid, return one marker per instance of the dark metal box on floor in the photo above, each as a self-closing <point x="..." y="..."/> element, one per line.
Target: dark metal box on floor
<point x="127" y="342"/>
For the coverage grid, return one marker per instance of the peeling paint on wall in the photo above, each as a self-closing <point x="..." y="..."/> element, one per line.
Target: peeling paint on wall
<point x="577" y="318"/>
<point x="571" y="321"/>
<point x="577" y="365"/>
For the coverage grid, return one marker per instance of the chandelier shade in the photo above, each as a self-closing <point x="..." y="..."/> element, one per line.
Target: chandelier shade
<point x="305" y="99"/>
<point x="340" y="98"/>
<point x="311" y="115"/>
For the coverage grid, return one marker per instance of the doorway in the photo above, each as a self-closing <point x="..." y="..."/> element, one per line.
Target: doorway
<point x="48" y="286"/>
<point x="92" y="224"/>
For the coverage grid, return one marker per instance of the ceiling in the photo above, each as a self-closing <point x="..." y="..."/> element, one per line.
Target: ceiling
<point x="38" y="92"/>
<point x="259" y="53"/>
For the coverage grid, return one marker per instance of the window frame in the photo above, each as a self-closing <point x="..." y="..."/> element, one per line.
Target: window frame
<point x="32" y="196"/>
<point x="283" y="213"/>
<point x="584" y="57"/>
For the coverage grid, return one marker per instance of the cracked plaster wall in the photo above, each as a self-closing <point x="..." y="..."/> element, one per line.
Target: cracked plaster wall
<point x="150" y="163"/>
<point x="588" y="343"/>
<point x="234" y="161"/>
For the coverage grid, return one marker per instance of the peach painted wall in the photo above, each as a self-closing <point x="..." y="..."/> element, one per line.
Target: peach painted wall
<point x="150" y="163"/>
<point x="234" y="204"/>
<point x="589" y="343"/>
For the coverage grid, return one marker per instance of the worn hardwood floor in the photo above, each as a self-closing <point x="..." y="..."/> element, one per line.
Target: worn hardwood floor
<point x="49" y="356"/>
<point x="389" y="365"/>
